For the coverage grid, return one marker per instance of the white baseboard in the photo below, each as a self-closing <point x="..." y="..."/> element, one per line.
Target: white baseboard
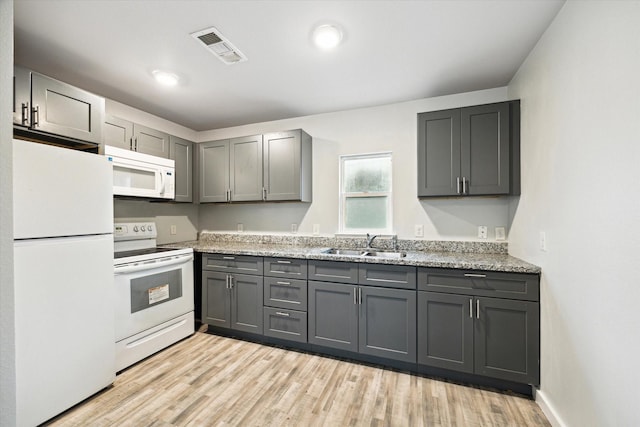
<point x="548" y="410"/>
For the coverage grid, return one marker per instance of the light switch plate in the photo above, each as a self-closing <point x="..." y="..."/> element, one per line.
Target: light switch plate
<point x="173" y="230"/>
<point x="294" y="228"/>
<point x="240" y="227"/>
<point x="543" y="241"/>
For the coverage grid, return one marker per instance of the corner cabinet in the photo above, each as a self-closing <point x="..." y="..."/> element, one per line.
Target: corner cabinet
<point x="132" y="136"/>
<point x="471" y="151"/>
<point x="484" y="323"/>
<point x="270" y="167"/>
<point x="43" y="104"/>
<point x="181" y="151"/>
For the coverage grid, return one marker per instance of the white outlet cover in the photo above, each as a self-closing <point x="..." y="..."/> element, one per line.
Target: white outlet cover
<point x="482" y="231"/>
<point x="500" y="233"/>
<point x="419" y="230"/>
<point x="294" y="228"/>
<point x="240" y="227"/>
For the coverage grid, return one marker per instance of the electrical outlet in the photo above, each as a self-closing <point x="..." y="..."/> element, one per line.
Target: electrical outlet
<point x="543" y="241"/>
<point x="418" y="230"/>
<point x="173" y="230"/>
<point x="482" y="231"/>
<point x="500" y="233"/>
<point x="240" y="227"/>
<point x="316" y="229"/>
<point x="294" y="228"/>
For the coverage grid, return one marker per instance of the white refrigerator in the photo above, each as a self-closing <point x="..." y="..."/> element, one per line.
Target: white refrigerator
<point x="63" y="252"/>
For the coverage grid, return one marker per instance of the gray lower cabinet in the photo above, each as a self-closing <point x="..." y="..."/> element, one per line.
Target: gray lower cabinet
<point x="181" y="151"/>
<point x="285" y="299"/>
<point x="474" y="332"/>
<point x="470" y="151"/>
<point x="47" y="105"/>
<point x="124" y="134"/>
<point x="372" y="320"/>
<point x="230" y="299"/>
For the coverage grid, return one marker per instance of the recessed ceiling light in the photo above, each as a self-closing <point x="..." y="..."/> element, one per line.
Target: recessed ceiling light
<point x="165" y="78"/>
<point x="327" y="36"/>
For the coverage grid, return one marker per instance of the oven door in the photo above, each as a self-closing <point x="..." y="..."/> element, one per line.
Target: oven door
<point x="152" y="292"/>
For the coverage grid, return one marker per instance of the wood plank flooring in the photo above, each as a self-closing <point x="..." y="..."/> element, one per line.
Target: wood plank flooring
<point x="207" y="380"/>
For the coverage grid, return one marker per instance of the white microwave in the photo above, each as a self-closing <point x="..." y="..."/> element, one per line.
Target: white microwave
<point x="141" y="175"/>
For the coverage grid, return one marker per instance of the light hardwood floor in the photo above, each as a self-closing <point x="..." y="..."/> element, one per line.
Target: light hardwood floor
<point x="207" y="380"/>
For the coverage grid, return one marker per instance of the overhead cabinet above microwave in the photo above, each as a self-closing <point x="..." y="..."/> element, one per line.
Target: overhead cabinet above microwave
<point x="470" y="151"/>
<point x="132" y="136"/>
<point x="45" y="108"/>
<point x="270" y="167"/>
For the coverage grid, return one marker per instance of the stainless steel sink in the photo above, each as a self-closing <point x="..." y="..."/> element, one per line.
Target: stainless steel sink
<point x="365" y="253"/>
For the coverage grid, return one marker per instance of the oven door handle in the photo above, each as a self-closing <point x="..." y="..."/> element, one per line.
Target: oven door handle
<point x="151" y="265"/>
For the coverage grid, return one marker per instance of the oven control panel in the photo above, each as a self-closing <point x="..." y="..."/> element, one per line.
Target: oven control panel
<point x="134" y="230"/>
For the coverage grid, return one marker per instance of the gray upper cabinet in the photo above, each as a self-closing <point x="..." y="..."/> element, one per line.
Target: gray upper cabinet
<point x="287" y="166"/>
<point x="132" y="136"/>
<point x="231" y="170"/>
<point x="47" y="105"/>
<point x="181" y="151"/>
<point x="469" y="151"/>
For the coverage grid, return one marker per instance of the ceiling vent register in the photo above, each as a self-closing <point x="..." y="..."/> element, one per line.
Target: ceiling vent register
<point x="219" y="45"/>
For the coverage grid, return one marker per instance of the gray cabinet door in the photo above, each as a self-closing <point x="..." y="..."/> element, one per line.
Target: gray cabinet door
<point x="216" y="299"/>
<point x="118" y="133"/>
<point x="150" y="141"/>
<point x="439" y="153"/>
<point x="181" y="151"/>
<point x="507" y="339"/>
<point x="387" y="324"/>
<point x="287" y="166"/>
<point x="245" y="167"/>
<point x="62" y="109"/>
<point x="213" y="158"/>
<point x="445" y="331"/>
<point x="21" y="96"/>
<point x="484" y="149"/>
<point x="246" y="303"/>
<point x="333" y="315"/>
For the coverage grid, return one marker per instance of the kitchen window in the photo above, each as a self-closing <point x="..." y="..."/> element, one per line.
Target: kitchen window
<point x="365" y="194"/>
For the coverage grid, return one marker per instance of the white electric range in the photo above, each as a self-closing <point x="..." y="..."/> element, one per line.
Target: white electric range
<point x="154" y="293"/>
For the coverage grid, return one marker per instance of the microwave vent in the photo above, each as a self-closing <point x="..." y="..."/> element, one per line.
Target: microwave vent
<point x="219" y="45"/>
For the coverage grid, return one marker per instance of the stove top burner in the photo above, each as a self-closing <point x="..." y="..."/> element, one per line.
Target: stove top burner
<point x="149" y="251"/>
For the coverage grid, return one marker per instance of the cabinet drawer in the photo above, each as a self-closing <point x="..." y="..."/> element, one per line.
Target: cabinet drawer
<point x="388" y="276"/>
<point x="285" y="324"/>
<point x="233" y="263"/>
<point x="285" y="293"/>
<point x="481" y="283"/>
<point x="333" y="271"/>
<point x="285" y="267"/>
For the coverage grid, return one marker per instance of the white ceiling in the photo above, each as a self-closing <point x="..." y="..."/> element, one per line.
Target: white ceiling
<point x="392" y="51"/>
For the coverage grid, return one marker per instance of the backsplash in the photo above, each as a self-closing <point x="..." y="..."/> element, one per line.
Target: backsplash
<point x="356" y="242"/>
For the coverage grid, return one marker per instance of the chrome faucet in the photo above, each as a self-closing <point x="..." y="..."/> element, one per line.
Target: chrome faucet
<point x="370" y="240"/>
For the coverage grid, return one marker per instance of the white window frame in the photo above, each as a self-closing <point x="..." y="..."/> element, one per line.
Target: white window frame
<point x="344" y="195"/>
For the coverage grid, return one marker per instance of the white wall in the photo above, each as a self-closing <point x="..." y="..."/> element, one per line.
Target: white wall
<point x="580" y="92"/>
<point x="7" y="322"/>
<point x="385" y="128"/>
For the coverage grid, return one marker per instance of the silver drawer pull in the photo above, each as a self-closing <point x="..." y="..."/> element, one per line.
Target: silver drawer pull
<point x="283" y="283"/>
<point x="281" y="261"/>
<point x="279" y="313"/>
<point x="229" y="257"/>
<point x="474" y="275"/>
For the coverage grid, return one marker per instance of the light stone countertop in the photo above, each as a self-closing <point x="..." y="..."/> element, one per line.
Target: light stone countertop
<point x="460" y="257"/>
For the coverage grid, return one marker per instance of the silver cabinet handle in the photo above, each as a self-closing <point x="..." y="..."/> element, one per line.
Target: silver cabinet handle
<point x="229" y="197"/>
<point x="464" y="185"/>
<point x="279" y="313"/>
<point x="471" y="308"/>
<point x="229" y="257"/>
<point x="282" y="261"/>
<point x="474" y="275"/>
<point x="458" y="185"/>
<point x="35" y="115"/>
<point x="360" y="296"/>
<point x="355" y="296"/>
<point x="477" y="309"/>
<point x="231" y="284"/>
<point x="264" y="193"/>
<point x="25" y="113"/>
<point x="283" y="283"/>
<point x="135" y="144"/>
<point x="227" y="279"/>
